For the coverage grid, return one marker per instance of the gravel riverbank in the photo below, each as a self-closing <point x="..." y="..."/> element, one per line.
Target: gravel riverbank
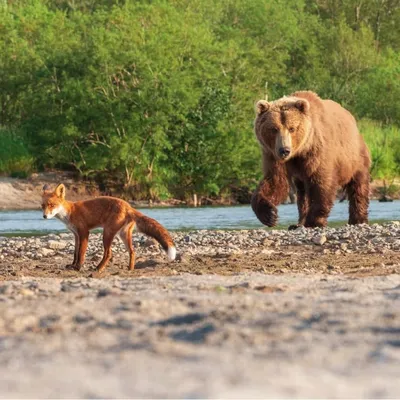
<point x="364" y="239"/>
<point x="241" y="314"/>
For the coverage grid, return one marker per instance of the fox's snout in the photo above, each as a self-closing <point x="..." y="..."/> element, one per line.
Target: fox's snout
<point x="44" y="216"/>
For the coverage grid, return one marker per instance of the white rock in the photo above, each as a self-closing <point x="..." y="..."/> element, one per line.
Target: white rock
<point x="319" y="239"/>
<point x="46" y="252"/>
<point x="56" y="245"/>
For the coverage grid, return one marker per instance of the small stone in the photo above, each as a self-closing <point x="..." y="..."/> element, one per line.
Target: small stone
<point x="268" y="252"/>
<point x="149" y="243"/>
<point x="104" y="292"/>
<point x="26" y="292"/>
<point x="5" y="289"/>
<point x="124" y="324"/>
<point x="49" y="321"/>
<point x="82" y="318"/>
<point x="180" y="257"/>
<point x="267" y="242"/>
<point x="319" y="239"/>
<point x="46" y="252"/>
<point x="56" y="245"/>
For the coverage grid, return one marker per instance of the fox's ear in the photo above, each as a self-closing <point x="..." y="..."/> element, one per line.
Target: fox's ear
<point x="262" y="106"/>
<point x="60" y="191"/>
<point x="46" y="188"/>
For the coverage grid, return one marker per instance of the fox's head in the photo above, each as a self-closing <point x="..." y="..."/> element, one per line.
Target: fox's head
<point x="53" y="201"/>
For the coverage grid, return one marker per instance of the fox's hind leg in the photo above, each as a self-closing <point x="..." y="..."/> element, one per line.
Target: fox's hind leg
<point x="82" y="247"/>
<point x="108" y="237"/>
<point x="126" y="236"/>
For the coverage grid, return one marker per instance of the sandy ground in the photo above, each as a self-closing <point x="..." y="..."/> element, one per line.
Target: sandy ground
<point x="294" y="322"/>
<point x="23" y="194"/>
<point x="16" y="197"/>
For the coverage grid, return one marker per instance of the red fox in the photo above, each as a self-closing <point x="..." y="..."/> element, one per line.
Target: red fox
<point x="115" y="216"/>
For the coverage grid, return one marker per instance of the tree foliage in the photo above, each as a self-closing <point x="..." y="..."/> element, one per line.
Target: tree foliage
<point x="158" y="95"/>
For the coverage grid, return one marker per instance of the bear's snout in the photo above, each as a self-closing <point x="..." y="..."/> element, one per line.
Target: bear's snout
<point x="284" y="152"/>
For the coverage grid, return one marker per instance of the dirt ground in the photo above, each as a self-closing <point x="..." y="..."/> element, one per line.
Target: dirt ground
<point x="304" y="260"/>
<point x="296" y="323"/>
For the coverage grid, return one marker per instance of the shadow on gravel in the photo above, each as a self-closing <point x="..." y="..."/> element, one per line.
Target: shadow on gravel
<point x="196" y="336"/>
<point x="393" y="343"/>
<point x="386" y="329"/>
<point x="191" y="318"/>
<point x="147" y="264"/>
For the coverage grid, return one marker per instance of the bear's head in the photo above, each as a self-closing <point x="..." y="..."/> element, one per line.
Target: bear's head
<point x="282" y="127"/>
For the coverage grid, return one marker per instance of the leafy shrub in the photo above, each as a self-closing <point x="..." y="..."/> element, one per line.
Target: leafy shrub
<point x="15" y="158"/>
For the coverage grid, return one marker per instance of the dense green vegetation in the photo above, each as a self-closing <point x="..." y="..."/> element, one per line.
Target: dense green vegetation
<point x="158" y="95"/>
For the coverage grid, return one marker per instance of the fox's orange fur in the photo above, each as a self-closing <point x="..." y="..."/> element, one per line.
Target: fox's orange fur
<point x="115" y="216"/>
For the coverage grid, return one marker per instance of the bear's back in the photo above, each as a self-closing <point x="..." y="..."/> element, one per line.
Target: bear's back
<point x="337" y="129"/>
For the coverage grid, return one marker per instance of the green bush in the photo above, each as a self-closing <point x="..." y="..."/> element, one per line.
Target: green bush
<point x="15" y="158"/>
<point x="384" y="144"/>
<point x="158" y="95"/>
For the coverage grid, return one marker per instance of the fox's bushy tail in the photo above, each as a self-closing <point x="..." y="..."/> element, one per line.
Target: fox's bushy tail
<point x="154" y="229"/>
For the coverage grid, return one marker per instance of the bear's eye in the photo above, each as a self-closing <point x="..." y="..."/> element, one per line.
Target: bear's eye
<point x="274" y="130"/>
<point x="291" y="129"/>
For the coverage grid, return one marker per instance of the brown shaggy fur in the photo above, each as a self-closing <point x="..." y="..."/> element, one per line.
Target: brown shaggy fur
<point x="324" y="150"/>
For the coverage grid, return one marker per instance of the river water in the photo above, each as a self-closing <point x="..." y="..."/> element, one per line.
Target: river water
<point x="238" y="217"/>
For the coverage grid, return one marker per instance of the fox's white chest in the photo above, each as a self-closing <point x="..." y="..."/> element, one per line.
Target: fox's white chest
<point x="63" y="216"/>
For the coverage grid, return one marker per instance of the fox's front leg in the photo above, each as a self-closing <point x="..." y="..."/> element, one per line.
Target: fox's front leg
<point x="83" y="239"/>
<point x="76" y="251"/>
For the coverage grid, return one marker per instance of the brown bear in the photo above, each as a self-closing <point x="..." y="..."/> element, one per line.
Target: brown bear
<point x="316" y="144"/>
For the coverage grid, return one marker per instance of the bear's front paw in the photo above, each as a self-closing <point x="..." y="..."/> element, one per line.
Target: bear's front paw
<point x="265" y="211"/>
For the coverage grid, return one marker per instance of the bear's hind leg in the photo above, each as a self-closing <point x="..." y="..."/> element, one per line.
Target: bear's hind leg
<point x="358" y="193"/>
<point x="321" y="203"/>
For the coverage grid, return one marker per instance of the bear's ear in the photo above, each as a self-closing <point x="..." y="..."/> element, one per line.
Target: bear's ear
<point x="262" y="106"/>
<point x="302" y="105"/>
<point x="60" y="191"/>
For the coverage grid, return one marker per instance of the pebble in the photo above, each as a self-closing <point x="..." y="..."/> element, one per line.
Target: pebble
<point x="46" y="252"/>
<point x="104" y="292"/>
<point x="319" y="239"/>
<point x="367" y="239"/>
<point x="56" y="245"/>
